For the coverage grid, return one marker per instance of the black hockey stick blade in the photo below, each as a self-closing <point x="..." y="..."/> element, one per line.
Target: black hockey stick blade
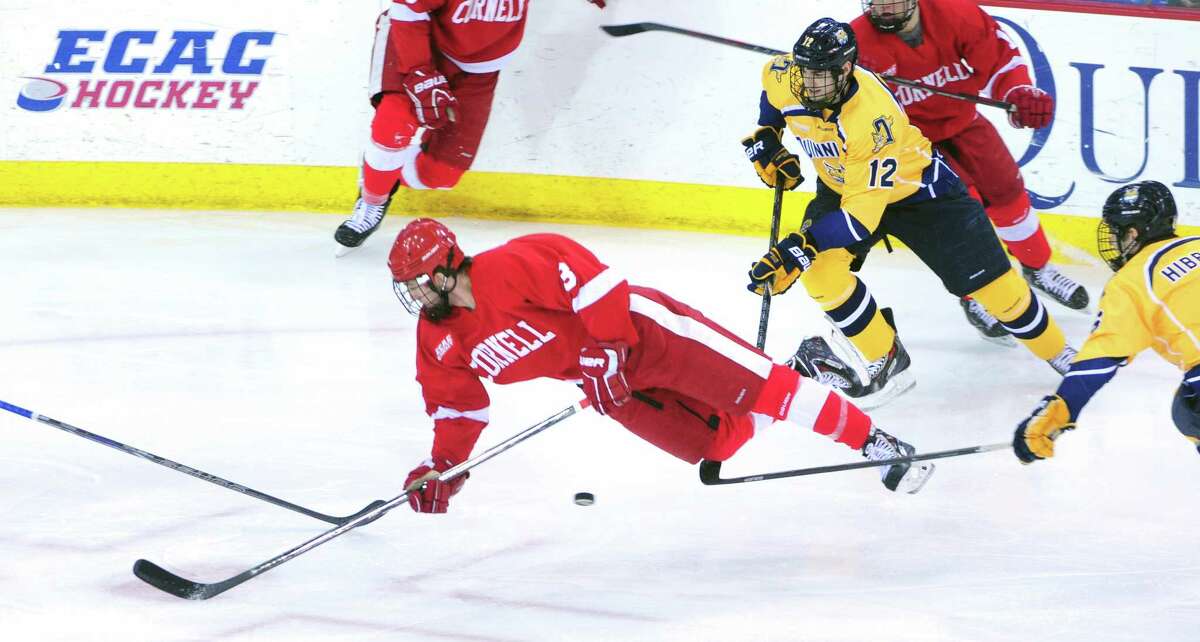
<point x="164" y="580"/>
<point x="366" y="509"/>
<point x="168" y="582"/>
<point x="710" y="471"/>
<point x="617" y="31"/>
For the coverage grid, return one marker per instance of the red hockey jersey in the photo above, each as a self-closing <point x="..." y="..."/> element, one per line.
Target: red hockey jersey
<point x="538" y="299"/>
<point x="962" y="50"/>
<point x="477" y="35"/>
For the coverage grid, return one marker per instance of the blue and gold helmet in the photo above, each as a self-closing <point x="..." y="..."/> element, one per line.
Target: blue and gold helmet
<point x="826" y="45"/>
<point x="1147" y="207"/>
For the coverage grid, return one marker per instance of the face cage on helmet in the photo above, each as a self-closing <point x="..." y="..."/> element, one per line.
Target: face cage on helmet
<point x="840" y="82"/>
<point x="430" y="301"/>
<point x="1108" y="245"/>
<point x="900" y="10"/>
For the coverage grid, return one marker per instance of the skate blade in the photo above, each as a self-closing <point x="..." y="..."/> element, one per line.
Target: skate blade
<point x="343" y="250"/>
<point x="895" y="387"/>
<point x="1005" y="341"/>
<point x="916" y="477"/>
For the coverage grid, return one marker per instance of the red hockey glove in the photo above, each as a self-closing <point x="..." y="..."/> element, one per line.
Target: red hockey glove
<point x="779" y="268"/>
<point x="598" y="3"/>
<point x="429" y="92"/>
<point x="603" y="367"/>
<point x="435" y="496"/>
<point x="1035" y="108"/>
<point x="771" y="159"/>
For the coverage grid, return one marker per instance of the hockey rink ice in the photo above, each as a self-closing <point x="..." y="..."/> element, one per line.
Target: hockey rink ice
<point x="237" y="344"/>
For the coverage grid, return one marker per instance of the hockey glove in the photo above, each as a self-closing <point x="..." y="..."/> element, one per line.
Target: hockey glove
<point x="1035" y="108"/>
<point x="779" y="268"/>
<point x="1035" y="436"/>
<point x="429" y="92"/>
<point x="427" y="493"/>
<point x="771" y="159"/>
<point x="603" y="366"/>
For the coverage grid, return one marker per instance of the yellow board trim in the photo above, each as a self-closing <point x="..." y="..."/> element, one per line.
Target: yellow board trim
<point x="580" y="200"/>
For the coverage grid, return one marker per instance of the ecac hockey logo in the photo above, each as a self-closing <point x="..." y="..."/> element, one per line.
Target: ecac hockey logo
<point x="41" y="94"/>
<point x="139" y="69"/>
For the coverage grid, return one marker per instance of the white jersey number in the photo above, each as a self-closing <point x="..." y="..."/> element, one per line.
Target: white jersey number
<point x="567" y="276"/>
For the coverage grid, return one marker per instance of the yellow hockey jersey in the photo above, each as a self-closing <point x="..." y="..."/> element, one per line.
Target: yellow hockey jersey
<point x="1153" y="301"/>
<point x="865" y="150"/>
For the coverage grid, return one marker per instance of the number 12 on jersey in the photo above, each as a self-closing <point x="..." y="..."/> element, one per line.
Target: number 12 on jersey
<point x="882" y="170"/>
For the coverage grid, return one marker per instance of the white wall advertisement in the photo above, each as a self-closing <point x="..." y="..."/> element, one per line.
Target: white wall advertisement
<point x="243" y="82"/>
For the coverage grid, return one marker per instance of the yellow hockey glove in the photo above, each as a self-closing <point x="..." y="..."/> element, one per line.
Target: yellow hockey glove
<point x="779" y="268"/>
<point x="1035" y="436"/>
<point x="771" y="159"/>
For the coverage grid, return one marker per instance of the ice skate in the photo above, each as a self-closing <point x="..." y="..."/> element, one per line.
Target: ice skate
<point x="988" y="325"/>
<point x="888" y="376"/>
<point x="906" y="477"/>
<point x="361" y="225"/>
<point x="1057" y="286"/>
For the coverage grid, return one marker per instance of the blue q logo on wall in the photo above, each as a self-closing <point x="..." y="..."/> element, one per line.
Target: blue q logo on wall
<point x="149" y="70"/>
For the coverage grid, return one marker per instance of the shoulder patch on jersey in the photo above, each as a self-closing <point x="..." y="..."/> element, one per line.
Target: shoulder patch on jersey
<point x="882" y="133"/>
<point x="444" y="346"/>
<point x="780" y="65"/>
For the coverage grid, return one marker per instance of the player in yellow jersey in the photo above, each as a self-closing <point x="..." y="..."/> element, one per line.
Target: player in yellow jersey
<point x="877" y="174"/>
<point x="1153" y="301"/>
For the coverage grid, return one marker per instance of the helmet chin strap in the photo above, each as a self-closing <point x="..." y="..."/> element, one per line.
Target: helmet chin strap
<point x="441" y="308"/>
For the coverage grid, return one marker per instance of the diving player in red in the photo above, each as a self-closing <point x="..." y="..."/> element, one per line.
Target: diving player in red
<point x="434" y="69"/>
<point x="544" y="306"/>
<point x="956" y="46"/>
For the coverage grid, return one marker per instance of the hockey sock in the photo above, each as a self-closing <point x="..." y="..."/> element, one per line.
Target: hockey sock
<point x="860" y="320"/>
<point x="377" y="183"/>
<point x="817" y="407"/>
<point x="842" y="421"/>
<point x="1021" y="230"/>
<point x="1010" y="300"/>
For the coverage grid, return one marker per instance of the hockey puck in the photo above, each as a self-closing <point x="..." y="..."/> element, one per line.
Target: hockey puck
<point x="585" y="499"/>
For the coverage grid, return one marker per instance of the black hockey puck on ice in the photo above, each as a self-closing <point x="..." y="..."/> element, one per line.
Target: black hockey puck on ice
<point x="585" y="499"/>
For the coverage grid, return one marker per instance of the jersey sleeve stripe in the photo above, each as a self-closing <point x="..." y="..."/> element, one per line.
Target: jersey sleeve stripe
<point x="690" y="328"/>
<point x="378" y="51"/>
<point x="443" y="412"/>
<point x="1017" y="61"/>
<point x="596" y="288"/>
<point x="1013" y="63"/>
<point x="401" y="13"/>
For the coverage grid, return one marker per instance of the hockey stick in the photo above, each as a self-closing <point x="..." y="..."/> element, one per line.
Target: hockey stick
<point x="618" y="31"/>
<point x="164" y="580"/>
<point x="710" y="474"/>
<point x="173" y="465"/>
<point x="765" y="313"/>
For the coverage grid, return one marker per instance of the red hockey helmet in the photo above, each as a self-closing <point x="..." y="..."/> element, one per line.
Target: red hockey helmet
<point x="423" y="246"/>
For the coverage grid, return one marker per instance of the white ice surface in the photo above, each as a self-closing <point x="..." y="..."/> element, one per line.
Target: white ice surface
<point x="237" y="344"/>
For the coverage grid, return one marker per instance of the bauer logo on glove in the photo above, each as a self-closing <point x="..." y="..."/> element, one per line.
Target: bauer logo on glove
<point x="771" y="159"/>
<point x="779" y="268"/>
